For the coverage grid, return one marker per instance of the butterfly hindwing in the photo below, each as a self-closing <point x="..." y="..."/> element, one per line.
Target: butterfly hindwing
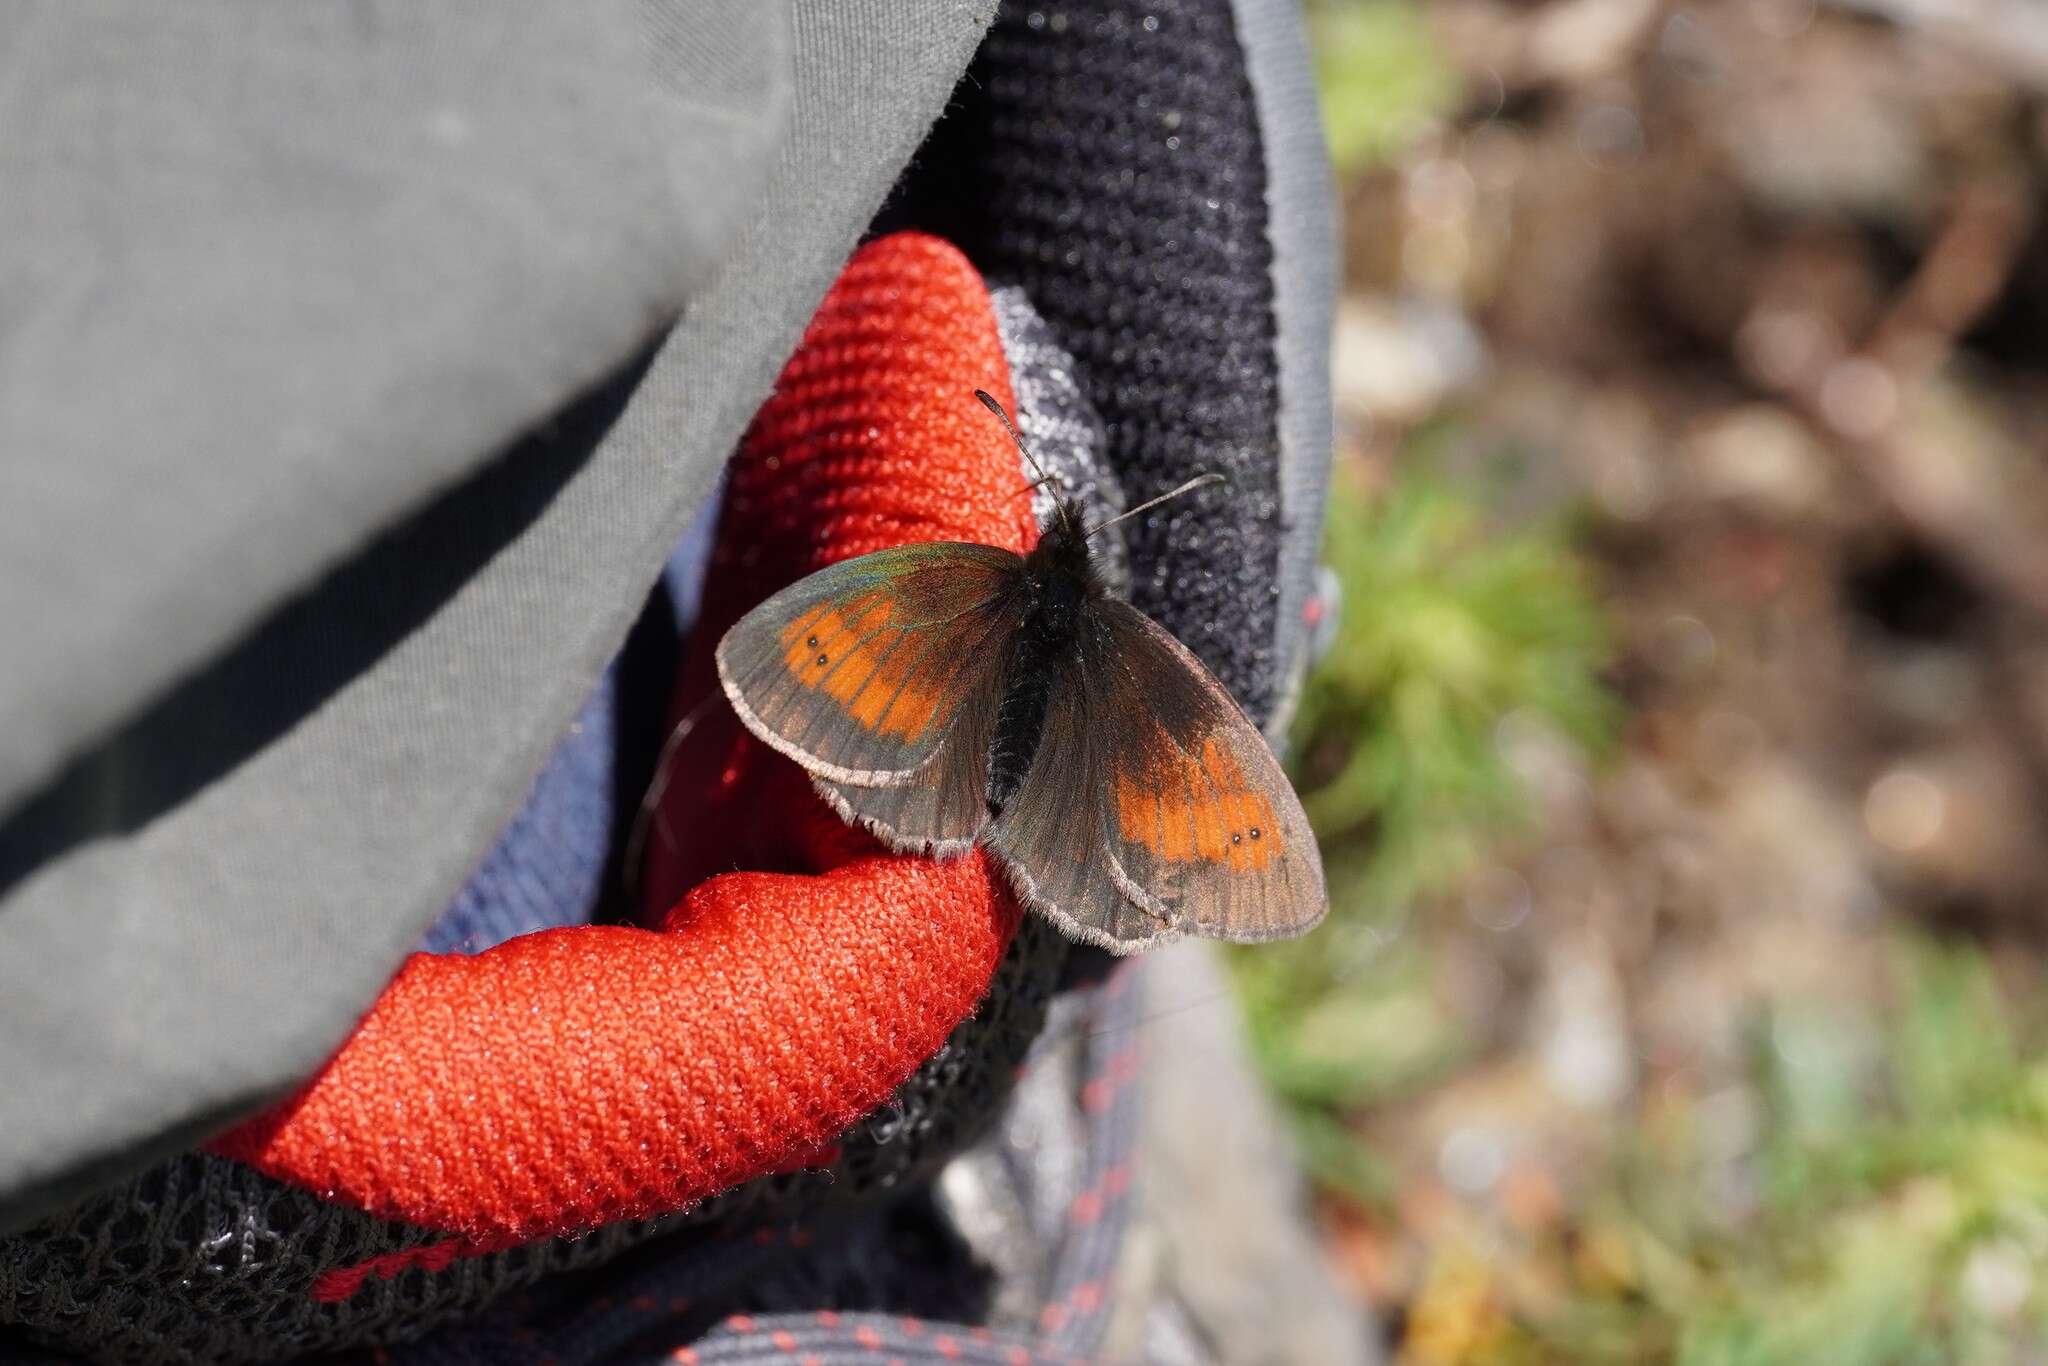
<point x="861" y="671"/>
<point x="1153" y="808"/>
<point x="1051" y="842"/>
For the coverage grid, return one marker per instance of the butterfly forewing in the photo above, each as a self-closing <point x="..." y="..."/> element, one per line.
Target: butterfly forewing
<point x="943" y="806"/>
<point x="860" y="671"/>
<point x="1153" y="807"/>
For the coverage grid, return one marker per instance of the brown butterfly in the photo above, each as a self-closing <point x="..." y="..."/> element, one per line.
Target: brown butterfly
<point x="946" y="695"/>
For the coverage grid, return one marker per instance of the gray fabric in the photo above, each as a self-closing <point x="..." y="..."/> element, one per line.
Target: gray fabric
<point x="163" y="966"/>
<point x="273" y="273"/>
<point x="1226" y="1247"/>
<point x="1301" y="205"/>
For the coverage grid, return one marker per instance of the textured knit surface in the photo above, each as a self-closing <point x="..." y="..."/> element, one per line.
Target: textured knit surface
<point x="898" y="1287"/>
<point x="1062" y="427"/>
<point x="547" y="868"/>
<point x="122" y="1273"/>
<point x="1302" y="224"/>
<point x="872" y="438"/>
<point x="573" y="1078"/>
<point x="1117" y="169"/>
<point x="203" y="1260"/>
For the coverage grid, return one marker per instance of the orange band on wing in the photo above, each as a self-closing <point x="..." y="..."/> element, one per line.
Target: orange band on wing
<point x="1210" y="816"/>
<point x="849" y="652"/>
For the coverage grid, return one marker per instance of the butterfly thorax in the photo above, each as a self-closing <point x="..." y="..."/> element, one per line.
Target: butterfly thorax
<point x="1060" y="576"/>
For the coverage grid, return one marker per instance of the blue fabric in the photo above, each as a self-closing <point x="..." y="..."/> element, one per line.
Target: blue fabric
<point x="548" y="867"/>
<point x="551" y="865"/>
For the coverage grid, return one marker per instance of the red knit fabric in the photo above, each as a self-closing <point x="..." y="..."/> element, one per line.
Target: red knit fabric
<point x="574" y="1077"/>
<point x="872" y="438"/>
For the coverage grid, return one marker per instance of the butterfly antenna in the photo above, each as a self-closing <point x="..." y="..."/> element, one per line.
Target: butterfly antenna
<point x="988" y="401"/>
<point x="1199" y="481"/>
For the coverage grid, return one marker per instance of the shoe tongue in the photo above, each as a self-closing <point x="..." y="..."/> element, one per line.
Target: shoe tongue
<point x="1064" y="431"/>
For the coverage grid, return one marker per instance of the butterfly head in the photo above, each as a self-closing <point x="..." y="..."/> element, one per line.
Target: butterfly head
<point x="1062" y="551"/>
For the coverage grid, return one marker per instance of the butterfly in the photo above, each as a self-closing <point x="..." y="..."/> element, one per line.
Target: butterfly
<point x="949" y="695"/>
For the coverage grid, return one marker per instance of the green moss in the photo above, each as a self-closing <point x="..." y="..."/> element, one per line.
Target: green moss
<point x="1888" y="1177"/>
<point x="1382" y="78"/>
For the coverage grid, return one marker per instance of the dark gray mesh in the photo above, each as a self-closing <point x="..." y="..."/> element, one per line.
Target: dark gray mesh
<point x="203" y="1260"/>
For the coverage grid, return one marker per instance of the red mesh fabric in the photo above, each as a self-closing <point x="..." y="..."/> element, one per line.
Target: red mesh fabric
<point x="574" y="1077"/>
<point x="872" y="438"/>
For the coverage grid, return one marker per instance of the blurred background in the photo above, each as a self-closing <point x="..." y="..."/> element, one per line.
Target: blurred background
<point x="1681" y="755"/>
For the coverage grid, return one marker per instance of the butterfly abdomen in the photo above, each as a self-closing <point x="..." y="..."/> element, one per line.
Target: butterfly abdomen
<point x="1045" y="640"/>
